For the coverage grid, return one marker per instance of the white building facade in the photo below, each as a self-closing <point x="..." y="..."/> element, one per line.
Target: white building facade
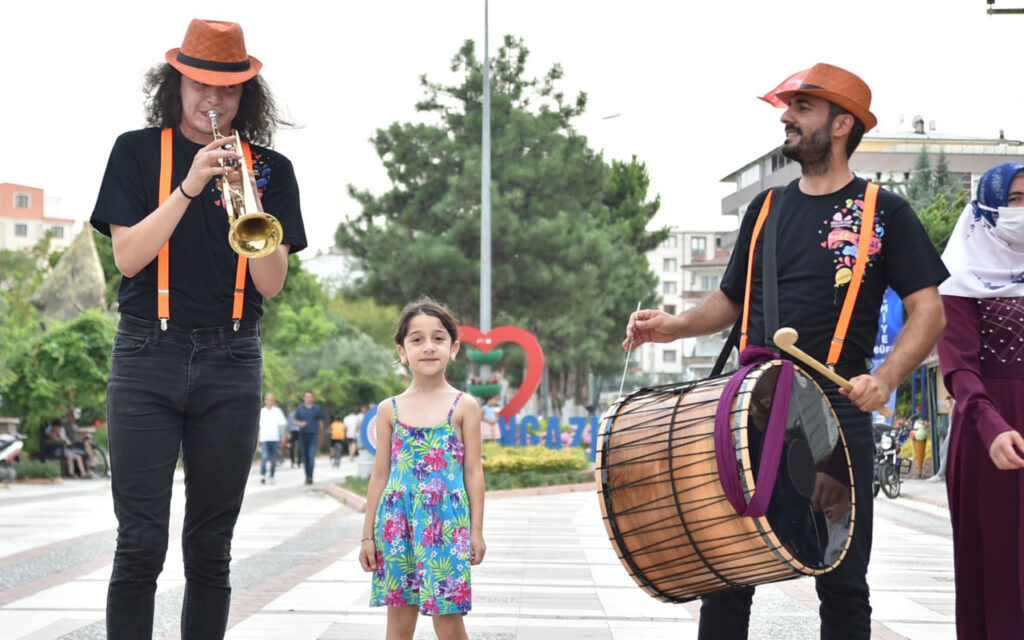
<point x="23" y="223"/>
<point x="689" y="265"/>
<point x="887" y="159"/>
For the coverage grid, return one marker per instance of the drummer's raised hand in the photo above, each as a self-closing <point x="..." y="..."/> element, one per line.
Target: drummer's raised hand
<point x="650" y="325"/>
<point x="868" y="393"/>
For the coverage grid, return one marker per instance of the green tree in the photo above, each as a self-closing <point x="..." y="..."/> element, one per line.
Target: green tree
<point x="940" y="216"/>
<point x="301" y="290"/>
<point x="63" y="368"/>
<point x="569" y="231"/>
<point x="945" y="183"/>
<point x="365" y="314"/>
<point x="111" y="275"/>
<point x="20" y="276"/>
<point x="919" y="189"/>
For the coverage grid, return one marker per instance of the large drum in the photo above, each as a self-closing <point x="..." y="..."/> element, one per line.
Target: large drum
<point x="661" y="486"/>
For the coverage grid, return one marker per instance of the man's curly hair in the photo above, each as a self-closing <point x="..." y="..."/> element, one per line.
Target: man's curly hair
<point x="257" y="120"/>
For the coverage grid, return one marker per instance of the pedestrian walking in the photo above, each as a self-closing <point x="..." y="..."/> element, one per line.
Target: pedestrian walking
<point x="310" y="419"/>
<point x="272" y="425"/>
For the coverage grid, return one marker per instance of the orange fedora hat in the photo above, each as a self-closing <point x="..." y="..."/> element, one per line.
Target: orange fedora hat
<point x="838" y="86"/>
<point x="213" y="52"/>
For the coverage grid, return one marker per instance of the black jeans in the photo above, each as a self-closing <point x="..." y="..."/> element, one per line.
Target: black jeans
<point x="307" y="444"/>
<point x="294" y="452"/>
<point x="844" y="610"/>
<point x="198" y="392"/>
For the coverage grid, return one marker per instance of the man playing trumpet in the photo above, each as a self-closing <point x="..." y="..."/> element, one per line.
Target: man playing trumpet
<point x="186" y="369"/>
<point x="820" y="225"/>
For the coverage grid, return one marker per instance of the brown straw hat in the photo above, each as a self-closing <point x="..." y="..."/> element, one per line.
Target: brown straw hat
<point x="838" y="86"/>
<point x="214" y="53"/>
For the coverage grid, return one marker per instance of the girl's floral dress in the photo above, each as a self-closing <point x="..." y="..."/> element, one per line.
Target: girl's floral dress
<point x="422" y="526"/>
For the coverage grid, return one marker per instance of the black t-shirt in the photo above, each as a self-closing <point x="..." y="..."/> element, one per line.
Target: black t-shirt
<point x="202" y="263"/>
<point x="816" y="253"/>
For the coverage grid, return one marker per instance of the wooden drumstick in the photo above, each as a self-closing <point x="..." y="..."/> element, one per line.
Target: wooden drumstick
<point x="785" y="339"/>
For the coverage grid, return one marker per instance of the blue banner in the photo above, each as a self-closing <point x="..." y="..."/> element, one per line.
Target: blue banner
<point x="890" y="323"/>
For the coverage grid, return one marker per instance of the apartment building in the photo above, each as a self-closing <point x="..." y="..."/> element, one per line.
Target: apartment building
<point x="885" y="158"/>
<point x="23" y="222"/>
<point x="689" y="265"/>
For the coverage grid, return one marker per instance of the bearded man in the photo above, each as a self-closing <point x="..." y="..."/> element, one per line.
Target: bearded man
<point x="819" y="225"/>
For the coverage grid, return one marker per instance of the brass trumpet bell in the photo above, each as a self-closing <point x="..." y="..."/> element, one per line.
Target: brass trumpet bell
<point x="252" y="233"/>
<point x="255" y="235"/>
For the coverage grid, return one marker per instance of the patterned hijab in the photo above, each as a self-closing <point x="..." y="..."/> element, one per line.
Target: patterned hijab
<point x="981" y="265"/>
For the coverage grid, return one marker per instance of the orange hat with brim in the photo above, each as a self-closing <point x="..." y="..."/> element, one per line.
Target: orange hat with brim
<point x="838" y="86"/>
<point x="213" y="52"/>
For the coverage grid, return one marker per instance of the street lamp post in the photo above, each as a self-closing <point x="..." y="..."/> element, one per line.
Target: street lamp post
<point x="485" y="193"/>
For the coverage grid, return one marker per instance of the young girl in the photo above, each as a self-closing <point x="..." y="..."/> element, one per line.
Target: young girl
<point x="421" y="539"/>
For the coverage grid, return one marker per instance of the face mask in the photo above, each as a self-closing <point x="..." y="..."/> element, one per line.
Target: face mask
<point x="1010" y="227"/>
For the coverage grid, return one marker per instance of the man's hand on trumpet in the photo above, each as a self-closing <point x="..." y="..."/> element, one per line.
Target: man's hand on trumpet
<point x="206" y="165"/>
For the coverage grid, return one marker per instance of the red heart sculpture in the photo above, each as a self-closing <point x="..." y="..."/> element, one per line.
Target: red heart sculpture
<point x="534" y="359"/>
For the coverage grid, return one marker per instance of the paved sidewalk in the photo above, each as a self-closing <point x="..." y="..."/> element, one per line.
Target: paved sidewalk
<point x="550" y="571"/>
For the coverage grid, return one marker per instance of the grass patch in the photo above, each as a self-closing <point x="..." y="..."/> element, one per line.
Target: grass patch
<point x="526" y="479"/>
<point x="355" y="484"/>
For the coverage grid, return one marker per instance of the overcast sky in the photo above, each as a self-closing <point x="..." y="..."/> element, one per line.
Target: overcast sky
<point x="682" y="76"/>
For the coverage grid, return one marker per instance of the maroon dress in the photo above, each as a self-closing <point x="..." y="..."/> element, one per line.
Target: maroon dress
<point x="982" y="359"/>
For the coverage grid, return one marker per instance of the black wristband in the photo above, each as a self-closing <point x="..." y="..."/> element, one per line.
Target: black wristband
<point x="182" y="190"/>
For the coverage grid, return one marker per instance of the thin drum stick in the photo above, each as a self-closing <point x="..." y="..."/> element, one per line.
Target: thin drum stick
<point x="629" y="351"/>
<point x="785" y="339"/>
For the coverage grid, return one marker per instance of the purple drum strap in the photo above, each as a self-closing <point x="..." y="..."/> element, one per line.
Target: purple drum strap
<point x="771" y="451"/>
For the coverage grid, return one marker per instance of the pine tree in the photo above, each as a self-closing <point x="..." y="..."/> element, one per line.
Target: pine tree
<point x="919" y="190"/>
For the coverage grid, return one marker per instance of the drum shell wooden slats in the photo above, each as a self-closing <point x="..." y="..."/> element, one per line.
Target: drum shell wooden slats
<point x="663" y="505"/>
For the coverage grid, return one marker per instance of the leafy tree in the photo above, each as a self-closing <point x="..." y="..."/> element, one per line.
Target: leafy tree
<point x="365" y="314"/>
<point x="945" y="183"/>
<point x="937" y="196"/>
<point x="105" y="249"/>
<point x="919" y="190"/>
<point x="20" y="276"/>
<point x="940" y="216"/>
<point x="569" y="232"/>
<point x="301" y="290"/>
<point x="65" y="367"/>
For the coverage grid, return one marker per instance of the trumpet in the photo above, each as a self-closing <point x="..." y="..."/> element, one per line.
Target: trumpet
<point x="252" y="233"/>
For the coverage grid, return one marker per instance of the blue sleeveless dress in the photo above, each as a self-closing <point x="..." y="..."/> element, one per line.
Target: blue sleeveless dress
<point x="422" y="526"/>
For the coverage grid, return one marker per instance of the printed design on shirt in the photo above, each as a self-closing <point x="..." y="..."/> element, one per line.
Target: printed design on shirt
<point x="841" y="235"/>
<point x="260" y="169"/>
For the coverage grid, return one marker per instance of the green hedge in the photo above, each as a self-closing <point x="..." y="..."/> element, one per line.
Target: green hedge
<point x="534" y="479"/>
<point x="498" y="481"/>
<point x="37" y="469"/>
<point x="499" y="459"/>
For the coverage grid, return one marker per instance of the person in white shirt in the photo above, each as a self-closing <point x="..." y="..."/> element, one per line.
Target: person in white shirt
<point x="272" y="422"/>
<point x="352" y="423"/>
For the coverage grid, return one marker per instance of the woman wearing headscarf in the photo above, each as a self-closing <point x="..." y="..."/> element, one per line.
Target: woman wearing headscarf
<point x="982" y="359"/>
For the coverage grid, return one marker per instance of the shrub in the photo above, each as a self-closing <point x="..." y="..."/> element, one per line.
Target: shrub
<point x="498" y="459"/>
<point x="534" y="479"/>
<point x="37" y="469"/>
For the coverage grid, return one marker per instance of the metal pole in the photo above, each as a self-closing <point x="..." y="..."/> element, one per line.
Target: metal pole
<point x="485" y="193"/>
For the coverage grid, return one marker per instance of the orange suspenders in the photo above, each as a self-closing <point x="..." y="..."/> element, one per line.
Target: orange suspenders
<point x="163" y="289"/>
<point x="867" y="224"/>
